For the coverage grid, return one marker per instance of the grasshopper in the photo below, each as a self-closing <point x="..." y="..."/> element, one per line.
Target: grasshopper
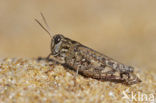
<point x="86" y="61"/>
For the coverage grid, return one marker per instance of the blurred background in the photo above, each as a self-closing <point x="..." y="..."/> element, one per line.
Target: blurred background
<point x="122" y="29"/>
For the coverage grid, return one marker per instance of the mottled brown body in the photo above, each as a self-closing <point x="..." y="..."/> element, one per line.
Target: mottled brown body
<point x="87" y="61"/>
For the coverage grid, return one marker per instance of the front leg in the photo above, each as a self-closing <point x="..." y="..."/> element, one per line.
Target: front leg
<point x="42" y="58"/>
<point x="48" y="57"/>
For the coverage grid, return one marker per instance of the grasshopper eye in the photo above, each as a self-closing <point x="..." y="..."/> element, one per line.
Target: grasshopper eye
<point x="57" y="39"/>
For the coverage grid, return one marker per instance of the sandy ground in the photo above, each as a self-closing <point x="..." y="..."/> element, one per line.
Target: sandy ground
<point x="124" y="30"/>
<point x="29" y="81"/>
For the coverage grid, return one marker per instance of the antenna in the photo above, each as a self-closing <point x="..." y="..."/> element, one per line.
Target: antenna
<point x="43" y="27"/>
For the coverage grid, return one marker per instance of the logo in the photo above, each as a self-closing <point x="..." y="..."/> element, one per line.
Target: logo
<point x="138" y="96"/>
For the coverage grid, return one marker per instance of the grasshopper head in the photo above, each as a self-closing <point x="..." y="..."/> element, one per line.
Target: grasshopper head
<point x="56" y="43"/>
<point x="60" y="45"/>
